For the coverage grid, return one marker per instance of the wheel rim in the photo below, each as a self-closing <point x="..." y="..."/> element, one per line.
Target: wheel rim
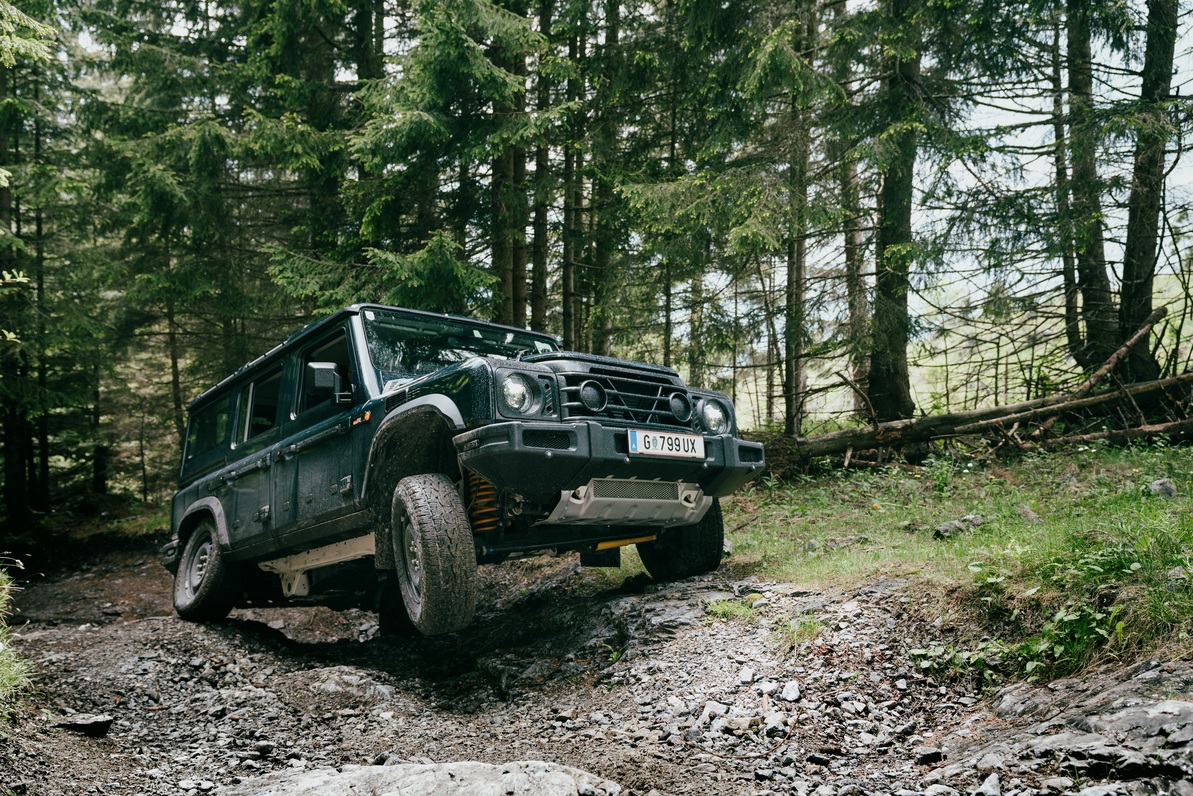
<point x="196" y="566"/>
<point x="412" y="560"/>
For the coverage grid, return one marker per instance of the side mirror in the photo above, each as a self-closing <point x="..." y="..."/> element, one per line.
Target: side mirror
<point x="324" y="384"/>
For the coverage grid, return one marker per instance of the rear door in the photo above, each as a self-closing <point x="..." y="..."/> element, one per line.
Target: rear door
<point x="258" y="430"/>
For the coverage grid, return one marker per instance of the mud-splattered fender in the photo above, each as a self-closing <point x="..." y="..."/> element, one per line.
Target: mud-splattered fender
<point x="415" y="438"/>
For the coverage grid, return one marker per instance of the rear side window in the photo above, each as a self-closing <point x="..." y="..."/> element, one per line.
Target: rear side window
<point x="208" y="428"/>
<point x="259" y="404"/>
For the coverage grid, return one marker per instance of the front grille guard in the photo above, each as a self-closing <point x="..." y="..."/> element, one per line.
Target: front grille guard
<point x="628" y="400"/>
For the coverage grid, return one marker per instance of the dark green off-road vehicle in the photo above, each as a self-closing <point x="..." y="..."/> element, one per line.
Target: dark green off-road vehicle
<point x="381" y="454"/>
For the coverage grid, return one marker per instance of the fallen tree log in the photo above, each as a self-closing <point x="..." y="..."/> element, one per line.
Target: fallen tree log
<point x="925" y="429"/>
<point x="1109" y="365"/>
<point x="1124" y="435"/>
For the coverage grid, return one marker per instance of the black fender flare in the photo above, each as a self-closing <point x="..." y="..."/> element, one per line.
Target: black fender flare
<point x="208" y="506"/>
<point x="414" y="438"/>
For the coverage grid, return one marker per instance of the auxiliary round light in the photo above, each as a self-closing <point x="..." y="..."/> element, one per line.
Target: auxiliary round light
<point x="593" y="396"/>
<point x="715" y="418"/>
<point x="680" y="406"/>
<point x="517" y="393"/>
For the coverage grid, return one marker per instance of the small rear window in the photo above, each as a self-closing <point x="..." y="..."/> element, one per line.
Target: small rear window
<point x="262" y="401"/>
<point x="208" y="428"/>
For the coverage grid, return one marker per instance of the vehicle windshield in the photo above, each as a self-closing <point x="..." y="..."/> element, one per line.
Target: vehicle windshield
<point x="404" y="347"/>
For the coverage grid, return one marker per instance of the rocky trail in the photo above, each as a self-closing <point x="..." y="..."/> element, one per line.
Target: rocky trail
<point x="566" y="684"/>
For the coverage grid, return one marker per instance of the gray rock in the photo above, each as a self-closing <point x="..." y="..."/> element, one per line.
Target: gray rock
<point x="791" y="692"/>
<point x="940" y="790"/>
<point x="990" y="787"/>
<point x="89" y="724"/>
<point x="928" y="755"/>
<point x="1163" y="487"/>
<point x="525" y="778"/>
<point x="1026" y="513"/>
<point x="1056" y="784"/>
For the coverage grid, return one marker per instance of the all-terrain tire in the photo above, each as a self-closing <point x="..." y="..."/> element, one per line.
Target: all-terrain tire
<point x="205" y="583"/>
<point x="434" y="552"/>
<point x="686" y="550"/>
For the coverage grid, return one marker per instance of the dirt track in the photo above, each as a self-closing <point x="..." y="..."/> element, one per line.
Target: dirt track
<point x="632" y="682"/>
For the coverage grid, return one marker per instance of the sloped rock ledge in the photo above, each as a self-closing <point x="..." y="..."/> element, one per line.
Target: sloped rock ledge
<point x="522" y="778"/>
<point x="1110" y="733"/>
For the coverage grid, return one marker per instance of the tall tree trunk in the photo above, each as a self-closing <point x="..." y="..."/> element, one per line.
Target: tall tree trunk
<point x="101" y="453"/>
<point x="16" y="484"/>
<point x="606" y="158"/>
<point x="795" y="380"/>
<point x="572" y="202"/>
<point x="857" y="321"/>
<point x="1073" y="337"/>
<point x="1143" y="206"/>
<point x="178" y="416"/>
<point x="542" y="193"/>
<point x="1097" y="302"/>
<point x="696" y="325"/>
<point x="501" y="233"/>
<point x="520" y="208"/>
<point x="889" y="387"/>
<point x="41" y="495"/>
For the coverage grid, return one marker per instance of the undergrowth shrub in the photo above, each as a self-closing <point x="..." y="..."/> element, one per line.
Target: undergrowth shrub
<point x="1106" y="594"/>
<point x="14" y="673"/>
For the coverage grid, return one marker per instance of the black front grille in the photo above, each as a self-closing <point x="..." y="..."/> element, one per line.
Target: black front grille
<point x="630" y="398"/>
<point x="751" y="455"/>
<point x="552" y="440"/>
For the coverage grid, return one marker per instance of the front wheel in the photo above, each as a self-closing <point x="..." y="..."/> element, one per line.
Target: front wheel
<point x="434" y="552"/>
<point x="686" y="550"/>
<point x="204" y="585"/>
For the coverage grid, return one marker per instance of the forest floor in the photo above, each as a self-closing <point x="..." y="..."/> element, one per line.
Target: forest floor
<point x="651" y="686"/>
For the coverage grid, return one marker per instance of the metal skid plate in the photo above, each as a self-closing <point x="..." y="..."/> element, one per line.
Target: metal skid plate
<point x="627" y="501"/>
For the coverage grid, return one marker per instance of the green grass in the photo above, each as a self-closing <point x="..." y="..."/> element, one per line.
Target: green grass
<point x="14" y="672"/>
<point x="1076" y="559"/>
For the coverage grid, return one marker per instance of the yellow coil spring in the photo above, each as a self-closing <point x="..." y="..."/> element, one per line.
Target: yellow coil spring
<point x="484" y="513"/>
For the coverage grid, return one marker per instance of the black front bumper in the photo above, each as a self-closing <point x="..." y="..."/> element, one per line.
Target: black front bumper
<point x="539" y="460"/>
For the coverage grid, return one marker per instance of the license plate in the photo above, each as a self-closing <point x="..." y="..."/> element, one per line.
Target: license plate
<point x="664" y="443"/>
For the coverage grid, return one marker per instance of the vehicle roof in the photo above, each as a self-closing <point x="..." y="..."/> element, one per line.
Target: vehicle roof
<point x="314" y="327"/>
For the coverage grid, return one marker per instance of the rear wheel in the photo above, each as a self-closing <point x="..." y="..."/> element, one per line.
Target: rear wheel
<point x="204" y="586"/>
<point x="434" y="552"/>
<point x="686" y="550"/>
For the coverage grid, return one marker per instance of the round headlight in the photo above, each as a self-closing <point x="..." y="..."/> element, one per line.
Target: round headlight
<point x="715" y="418"/>
<point x="517" y="393"/>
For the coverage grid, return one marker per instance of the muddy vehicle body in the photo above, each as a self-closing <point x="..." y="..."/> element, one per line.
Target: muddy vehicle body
<point x="381" y="454"/>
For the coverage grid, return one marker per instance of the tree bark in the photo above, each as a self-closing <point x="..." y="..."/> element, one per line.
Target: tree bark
<point x="795" y="375"/>
<point x="1097" y="301"/>
<point x="857" y="320"/>
<point x="572" y="201"/>
<point x="606" y="157"/>
<point x="889" y="385"/>
<point x="695" y="330"/>
<point x="542" y="193"/>
<point x="1147" y="188"/>
<point x="1060" y="162"/>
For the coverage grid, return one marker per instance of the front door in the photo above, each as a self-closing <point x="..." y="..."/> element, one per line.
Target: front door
<point x="314" y="464"/>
